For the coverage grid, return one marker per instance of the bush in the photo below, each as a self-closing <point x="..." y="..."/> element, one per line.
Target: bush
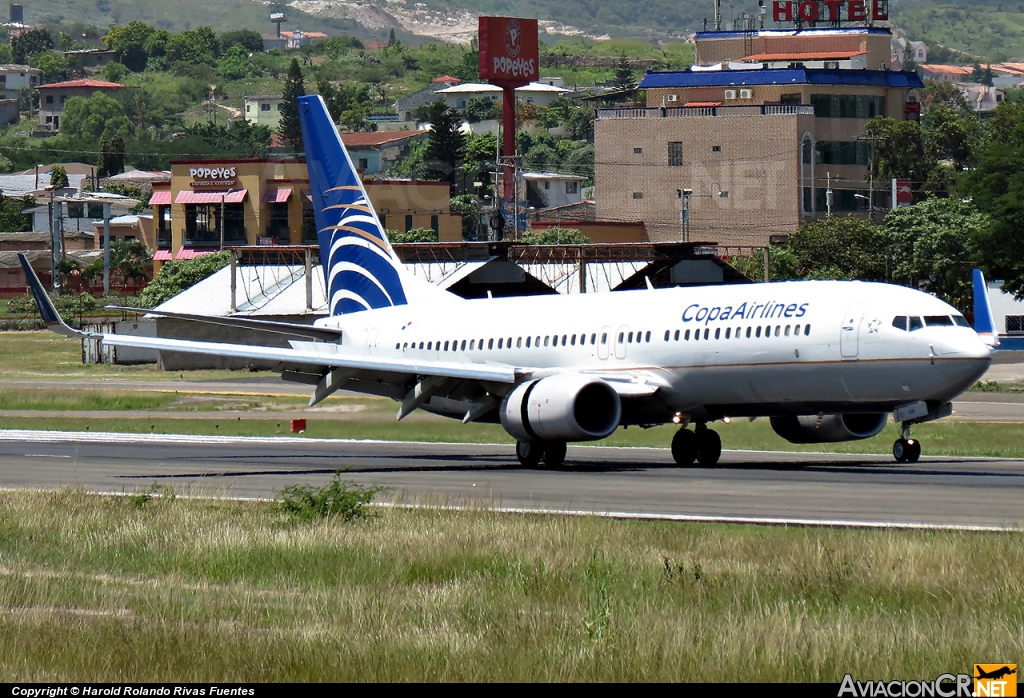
<point x="413" y="235"/>
<point x="176" y="276"/>
<point x="555" y="235"/>
<point x="343" y="499"/>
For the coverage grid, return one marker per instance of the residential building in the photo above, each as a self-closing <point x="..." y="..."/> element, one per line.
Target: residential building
<point x="53" y="96"/>
<point x="267" y="202"/>
<point x="549" y="189"/>
<point x="405" y="106"/>
<point x="983" y="98"/>
<point x="939" y="72"/>
<point x="737" y="155"/>
<point x="718" y="46"/>
<point x="373" y="152"/>
<point x="295" y="39"/>
<point x="904" y="50"/>
<point x="459" y="96"/>
<point x="265" y="111"/>
<point x="92" y="59"/>
<point x="15" y="78"/>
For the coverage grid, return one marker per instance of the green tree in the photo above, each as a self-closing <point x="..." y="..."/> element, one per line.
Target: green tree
<point x="554" y="235"/>
<point x="53" y="67"/>
<point x="130" y="41"/>
<point x="194" y="46"/>
<point x="481" y="109"/>
<point x="29" y="42"/>
<point x="444" y="144"/>
<point x="842" y="248"/>
<point x="344" y="98"/>
<point x="58" y="177"/>
<point x="112" y="155"/>
<point x="94" y="118"/>
<point x="131" y="260"/>
<point x="623" y="73"/>
<point x="933" y="246"/>
<point x="248" y="39"/>
<point x="899" y="150"/>
<point x="289" y="127"/>
<point x="996" y="187"/>
<point x="12" y="218"/>
<point x="176" y="276"/>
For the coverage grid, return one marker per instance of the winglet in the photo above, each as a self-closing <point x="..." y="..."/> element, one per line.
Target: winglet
<point x="49" y="313"/>
<point x="984" y="323"/>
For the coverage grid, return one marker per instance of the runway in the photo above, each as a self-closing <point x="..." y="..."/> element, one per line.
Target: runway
<point x="757" y="487"/>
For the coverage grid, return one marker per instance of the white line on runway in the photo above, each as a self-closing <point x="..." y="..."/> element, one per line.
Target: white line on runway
<point x="46" y="455"/>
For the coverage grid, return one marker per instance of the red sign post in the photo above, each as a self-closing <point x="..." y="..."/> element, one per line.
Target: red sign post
<point x="508" y="58"/>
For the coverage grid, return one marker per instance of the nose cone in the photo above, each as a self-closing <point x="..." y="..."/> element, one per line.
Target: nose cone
<point x="966" y="357"/>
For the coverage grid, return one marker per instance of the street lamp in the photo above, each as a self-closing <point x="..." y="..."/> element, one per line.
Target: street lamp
<point x="684" y="213"/>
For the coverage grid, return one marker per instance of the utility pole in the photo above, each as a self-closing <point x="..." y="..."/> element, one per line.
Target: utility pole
<point x="871" y="173"/>
<point x="221" y="221"/>
<point x="684" y="213"/>
<point x="106" y="249"/>
<point x="828" y="195"/>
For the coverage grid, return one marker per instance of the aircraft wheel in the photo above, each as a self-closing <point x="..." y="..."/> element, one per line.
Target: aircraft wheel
<point x="554" y="454"/>
<point x="529" y="453"/>
<point x="913" y="450"/>
<point x="709" y="448"/>
<point x="684" y="448"/>
<point x="899" y="450"/>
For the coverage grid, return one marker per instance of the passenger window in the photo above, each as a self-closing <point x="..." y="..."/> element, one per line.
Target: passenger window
<point x="915" y="324"/>
<point x="572" y="341"/>
<point x="463" y="347"/>
<point x="728" y="332"/>
<point x="900" y="322"/>
<point x="472" y="344"/>
<point x="545" y="340"/>
<point x="686" y="337"/>
<point x="787" y="330"/>
<point x="756" y="334"/>
<point x="593" y="337"/>
<point x="778" y="330"/>
<point x="667" y="333"/>
<point x="630" y="338"/>
<point x="796" y="330"/>
<point x="480" y="345"/>
<point x="501" y="342"/>
<point x="677" y="335"/>
<point x="707" y="332"/>
<point x="564" y="338"/>
<point x="647" y="337"/>
<point x="398" y="345"/>
<point x="718" y="332"/>
<point x="490" y="344"/>
<point x="807" y="330"/>
<point x="604" y="338"/>
<point x="620" y="338"/>
<point x="696" y="335"/>
<point x="536" y="341"/>
<point x="429" y="344"/>
<point x="509" y="343"/>
<point x="446" y="346"/>
<point x="528" y="342"/>
<point x="961" y="321"/>
<point x="748" y="333"/>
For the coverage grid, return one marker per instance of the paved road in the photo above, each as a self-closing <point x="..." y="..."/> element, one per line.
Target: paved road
<point x="774" y="487"/>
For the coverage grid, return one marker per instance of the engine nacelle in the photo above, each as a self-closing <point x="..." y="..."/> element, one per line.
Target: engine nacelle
<point x="814" y="429"/>
<point x="565" y="407"/>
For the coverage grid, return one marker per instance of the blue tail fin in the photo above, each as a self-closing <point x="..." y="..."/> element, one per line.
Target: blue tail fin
<point x="984" y="323"/>
<point x="361" y="271"/>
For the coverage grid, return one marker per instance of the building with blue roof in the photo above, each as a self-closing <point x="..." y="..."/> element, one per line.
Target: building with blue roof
<point x="748" y="147"/>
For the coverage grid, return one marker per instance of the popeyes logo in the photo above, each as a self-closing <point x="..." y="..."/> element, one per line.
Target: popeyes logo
<point x="213" y="177"/>
<point x="508" y="50"/>
<point x="829" y="10"/>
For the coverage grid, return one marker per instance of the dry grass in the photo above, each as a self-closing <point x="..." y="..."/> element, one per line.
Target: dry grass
<point x="101" y="589"/>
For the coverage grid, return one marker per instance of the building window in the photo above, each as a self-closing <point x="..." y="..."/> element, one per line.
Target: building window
<point x="842" y="200"/>
<point x="675" y="154"/>
<point x="264" y="107"/>
<point x="842" y="153"/>
<point x="95" y="211"/>
<point x="808" y="151"/>
<point x="278" y="106"/>
<point x="202" y="224"/>
<point x="76" y="210"/>
<point x="49" y="99"/>
<point x="63" y="98"/>
<point x="278" y="225"/>
<point x="572" y="187"/>
<point x="308" y="222"/>
<point x="547" y="185"/>
<point x="638" y="195"/>
<point x="364" y="163"/>
<point x="408" y="223"/>
<point x="1015" y="324"/>
<point x="638" y="151"/>
<point x="808" y="199"/>
<point x="716" y="149"/>
<point x="848" y="106"/>
<point x="434" y="224"/>
<point x="49" y="119"/>
<point x="248" y="107"/>
<point x="460" y="104"/>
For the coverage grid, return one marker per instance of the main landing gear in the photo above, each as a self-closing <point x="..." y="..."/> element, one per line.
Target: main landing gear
<point x="702" y="445"/>
<point x="530" y="453"/>
<point x="906" y="449"/>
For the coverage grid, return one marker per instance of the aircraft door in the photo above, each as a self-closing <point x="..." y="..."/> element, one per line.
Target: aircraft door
<point x="849" y="338"/>
<point x="605" y="337"/>
<point x="371" y="338"/>
<point x="620" y="341"/>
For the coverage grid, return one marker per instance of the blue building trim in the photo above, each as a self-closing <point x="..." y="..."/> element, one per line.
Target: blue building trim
<point x="780" y="76"/>
<point x="1011" y="343"/>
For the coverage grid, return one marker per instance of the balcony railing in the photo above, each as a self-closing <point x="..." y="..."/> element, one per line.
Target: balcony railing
<point x="682" y="112"/>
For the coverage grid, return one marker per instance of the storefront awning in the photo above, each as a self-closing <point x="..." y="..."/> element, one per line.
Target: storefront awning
<point x="308" y="194"/>
<point x="211" y="197"/>
<point x="277" y="195"/>
<point x="189" y="253"/>
<point x="160" y="198"/>
<point x="162" y="256"/>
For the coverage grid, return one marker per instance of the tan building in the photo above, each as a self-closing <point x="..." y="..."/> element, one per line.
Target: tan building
<point x="53" y="96"/>
<point x="264" y="111"/>
<point x="748" y="153"/>
<point x="267" y="202"/>
<point x="875" y="43"/>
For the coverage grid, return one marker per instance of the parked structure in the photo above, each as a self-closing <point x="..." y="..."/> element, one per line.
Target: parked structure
<point x="373" y="152"/>
<point x="264" y="111"/>
<point x="53" y="96"/>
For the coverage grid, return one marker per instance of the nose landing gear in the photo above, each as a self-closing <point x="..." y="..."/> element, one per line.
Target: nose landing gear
<point x="906" y="449"/>
<point x="702" y="445"/>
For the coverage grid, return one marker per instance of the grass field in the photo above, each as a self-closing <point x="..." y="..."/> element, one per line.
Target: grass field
<point x="109" y="589"/>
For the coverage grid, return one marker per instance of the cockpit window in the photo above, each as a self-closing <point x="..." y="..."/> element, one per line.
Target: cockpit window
<point x="938" y="320"/>
<point x="900" y="322"/>
<point x="915" y="323"/>
<point x="961" y="321"/>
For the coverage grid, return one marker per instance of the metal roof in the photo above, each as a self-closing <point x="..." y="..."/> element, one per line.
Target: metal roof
<point x="781" y="76"/>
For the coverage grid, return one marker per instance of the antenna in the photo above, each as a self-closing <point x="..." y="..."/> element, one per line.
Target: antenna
<point x="278" y="18"/>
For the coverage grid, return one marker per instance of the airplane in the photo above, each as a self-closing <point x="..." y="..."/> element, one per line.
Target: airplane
<point x="825" y="361"/>
<point x="996" y="673"/>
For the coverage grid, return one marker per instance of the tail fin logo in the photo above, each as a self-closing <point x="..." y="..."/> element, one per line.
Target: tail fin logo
<point x="361" y="271"/>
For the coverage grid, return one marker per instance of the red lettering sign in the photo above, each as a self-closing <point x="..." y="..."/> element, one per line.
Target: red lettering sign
<point x="508" y="51"/>
<point x="855" y="11"/>
<point x="833" y="9"/>
<point x="880" y="9"/>
<point x="808" y="11"/>
<point x="782" y="11"/>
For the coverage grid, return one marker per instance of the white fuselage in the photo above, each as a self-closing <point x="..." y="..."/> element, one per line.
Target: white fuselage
<point x="727" y="350"/>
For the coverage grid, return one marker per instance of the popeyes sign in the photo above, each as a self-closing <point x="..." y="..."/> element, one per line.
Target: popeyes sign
<point x="830" y="10"/>
<point x="508" y="51"/>
<point x="213" y="177"/>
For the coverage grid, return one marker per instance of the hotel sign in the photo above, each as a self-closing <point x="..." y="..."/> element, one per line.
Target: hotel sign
<point x="213" y="177"/>
<point x="830" y="10"/>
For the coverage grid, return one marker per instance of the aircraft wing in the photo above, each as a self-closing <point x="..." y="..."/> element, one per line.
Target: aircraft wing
<point x="291" y="329"/>
<point x="321" y="356"/>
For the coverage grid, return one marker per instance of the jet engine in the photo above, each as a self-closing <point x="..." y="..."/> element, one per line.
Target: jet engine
<point x="813" y="429"/>
<point x="565" y="407"/>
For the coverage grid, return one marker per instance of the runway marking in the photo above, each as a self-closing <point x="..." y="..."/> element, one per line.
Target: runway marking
<point x="45" y="455"/>
<point x="623" y="515"/>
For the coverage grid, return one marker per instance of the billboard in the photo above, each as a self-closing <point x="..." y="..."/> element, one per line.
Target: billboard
<point x="834" y="11"/>
<point x="508" y="51"/>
